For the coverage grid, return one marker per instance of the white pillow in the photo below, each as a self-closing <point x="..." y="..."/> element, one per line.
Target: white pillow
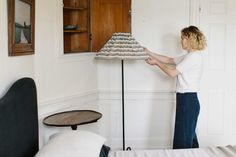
<point x="73" y="144"/>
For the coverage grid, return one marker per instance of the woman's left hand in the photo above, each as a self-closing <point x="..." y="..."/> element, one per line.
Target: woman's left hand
<point x="147" y="51"/>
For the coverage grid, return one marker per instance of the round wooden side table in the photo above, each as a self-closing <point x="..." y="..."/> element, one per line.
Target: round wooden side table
<point x="72" y="118"/>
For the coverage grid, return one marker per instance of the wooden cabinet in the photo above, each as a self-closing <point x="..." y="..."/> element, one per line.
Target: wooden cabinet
<point x="90" y="34"/>
<point x="76" y="20"/>
<point x="108" y="17"/>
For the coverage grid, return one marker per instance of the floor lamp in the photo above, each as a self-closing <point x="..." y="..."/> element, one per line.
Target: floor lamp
<point x="122" y="46"/>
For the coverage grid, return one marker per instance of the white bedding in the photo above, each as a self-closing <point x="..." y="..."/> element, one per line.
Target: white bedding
<point x="227" y="151"/>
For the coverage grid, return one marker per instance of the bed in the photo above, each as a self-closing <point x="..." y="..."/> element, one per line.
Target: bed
<point x="19" y="120"/>
<point x="227" y="151"/>
<point x="19" y="134"/>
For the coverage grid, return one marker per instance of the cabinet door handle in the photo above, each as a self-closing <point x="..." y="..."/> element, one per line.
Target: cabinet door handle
<point x="130" y="12"/>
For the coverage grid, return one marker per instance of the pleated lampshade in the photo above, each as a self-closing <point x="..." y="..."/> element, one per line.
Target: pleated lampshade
<point x="122" y="46"/>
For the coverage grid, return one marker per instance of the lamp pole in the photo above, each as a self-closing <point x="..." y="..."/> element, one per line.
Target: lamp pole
<point x="123" y="105"/>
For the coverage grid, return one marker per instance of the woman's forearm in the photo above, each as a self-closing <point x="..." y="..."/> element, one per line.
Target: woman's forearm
<point x="164" y="59"/>
<point x="161" y="58"/>
<point x="172" y="72"/>
<point x="168" y="69"/>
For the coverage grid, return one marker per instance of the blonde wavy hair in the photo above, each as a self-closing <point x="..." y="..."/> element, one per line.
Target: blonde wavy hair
<point x="195" y="37"/>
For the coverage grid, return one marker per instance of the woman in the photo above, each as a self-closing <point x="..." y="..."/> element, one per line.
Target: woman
<point x="188" y="70"/>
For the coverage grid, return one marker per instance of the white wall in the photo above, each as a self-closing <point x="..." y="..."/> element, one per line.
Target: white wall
<point x="149" y="94"/>
<point x="71" y="82"/>
<point x="63" y="81"/>
<point x="58" y="76"/>
<point x="11" y="68"/>
<point x="77" y="81"/>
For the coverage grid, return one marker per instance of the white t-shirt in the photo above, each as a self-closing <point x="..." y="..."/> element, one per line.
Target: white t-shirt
<point x="190" y="68"/>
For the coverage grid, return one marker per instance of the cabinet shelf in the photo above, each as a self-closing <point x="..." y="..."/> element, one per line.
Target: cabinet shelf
<point x="75" y="8"/>
<point x="76" y="51"/>
<point x="75" y="31"/>
<point x="76" y="13"/>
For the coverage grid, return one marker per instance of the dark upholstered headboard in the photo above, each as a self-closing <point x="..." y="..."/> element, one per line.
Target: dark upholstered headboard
<point x="19" y="120"/>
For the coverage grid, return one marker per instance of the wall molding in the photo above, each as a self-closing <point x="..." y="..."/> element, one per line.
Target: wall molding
<point x="105" y="94"/>
<point x="83" y="100"/>
<point x="87" y="98"/>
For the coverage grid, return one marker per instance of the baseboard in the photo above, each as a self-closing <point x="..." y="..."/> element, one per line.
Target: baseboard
<point x="139" y="144"/>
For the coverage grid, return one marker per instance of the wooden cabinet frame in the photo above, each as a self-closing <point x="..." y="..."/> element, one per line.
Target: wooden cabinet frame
<point x="76" y="13"/>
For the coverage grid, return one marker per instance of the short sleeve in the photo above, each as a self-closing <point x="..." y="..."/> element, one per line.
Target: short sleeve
<point x="187" y="63"/>
<point x="178" y="59"/>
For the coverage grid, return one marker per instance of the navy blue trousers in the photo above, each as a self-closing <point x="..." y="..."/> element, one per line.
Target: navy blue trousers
<point x="187" y="111"/>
